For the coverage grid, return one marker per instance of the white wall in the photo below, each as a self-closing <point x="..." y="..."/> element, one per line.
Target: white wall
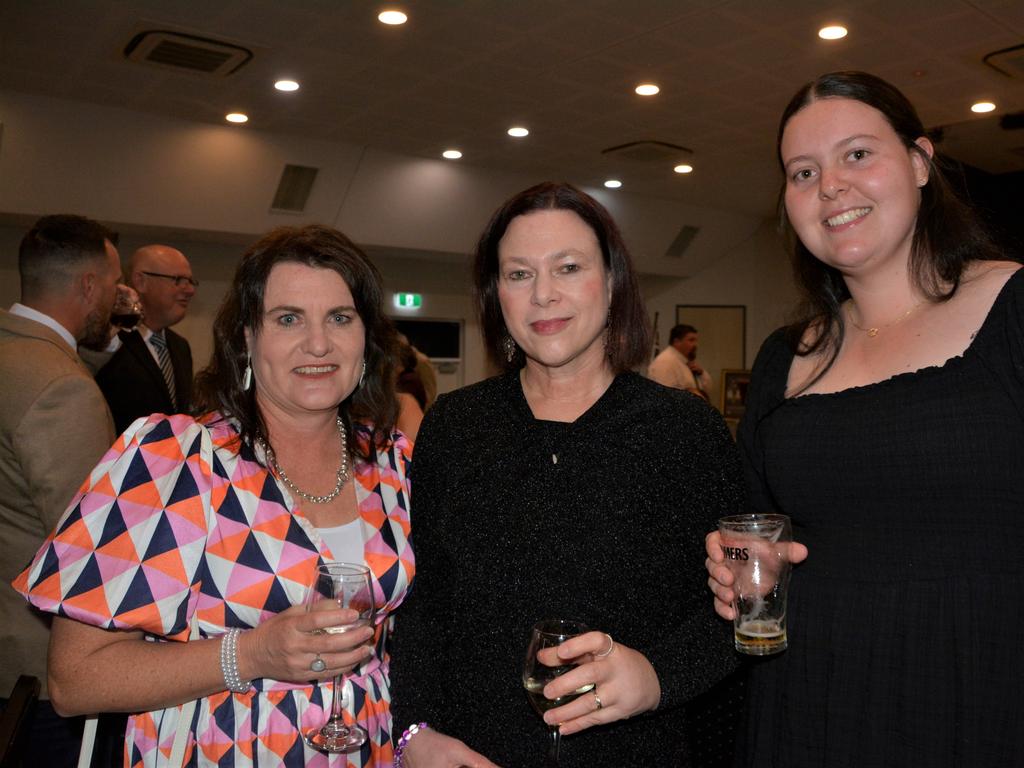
<point x="755" y="273"/>
<point x="132" y="168"/>
<point x="206" y="189"/>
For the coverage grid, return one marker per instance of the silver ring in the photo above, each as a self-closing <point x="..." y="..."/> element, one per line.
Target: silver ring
<point x="318" y="665"/>
<point x="611" y="647"/>
<point x="597" y="699"/>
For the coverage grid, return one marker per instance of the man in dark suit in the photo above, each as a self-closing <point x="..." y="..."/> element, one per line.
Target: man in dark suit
<point x="54" y="428"/>
<point x="151" y="369"/>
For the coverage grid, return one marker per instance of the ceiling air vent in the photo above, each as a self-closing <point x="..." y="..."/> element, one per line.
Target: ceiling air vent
<point x="649" y="152"/>
<point x="1008" y="61"/>
<point x="180" y="51"/>
<point x="682" y="242"/>
<point x="293" y="190"/>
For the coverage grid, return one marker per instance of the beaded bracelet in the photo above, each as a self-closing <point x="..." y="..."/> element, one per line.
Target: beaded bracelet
<point x="229" y="662"/>
<point x="404" y="740"/>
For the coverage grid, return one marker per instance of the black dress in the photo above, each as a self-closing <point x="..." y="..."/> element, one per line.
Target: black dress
<point x="905" y="622"/>
<point x="602" y="520"/>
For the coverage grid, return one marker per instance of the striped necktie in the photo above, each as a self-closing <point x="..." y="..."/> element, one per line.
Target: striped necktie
<point x="160" y="345"/>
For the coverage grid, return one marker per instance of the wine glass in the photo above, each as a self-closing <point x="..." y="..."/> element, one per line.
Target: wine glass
<point x="340" y="585"/>
<point x="536" y="674"/>
<point x="127" y="309"/>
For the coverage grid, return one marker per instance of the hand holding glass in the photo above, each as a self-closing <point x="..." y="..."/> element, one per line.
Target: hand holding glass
<point x="757" y="553"/>
<point x="340" y="585"/>
<point x="536" y="674"/>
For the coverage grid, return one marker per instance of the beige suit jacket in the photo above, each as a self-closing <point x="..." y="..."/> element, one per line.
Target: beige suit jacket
<point x="54" y="428"/>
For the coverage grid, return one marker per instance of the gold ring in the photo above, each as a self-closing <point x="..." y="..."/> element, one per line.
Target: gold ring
<point x="611" y="647"/>
<point x="597" y="699"/>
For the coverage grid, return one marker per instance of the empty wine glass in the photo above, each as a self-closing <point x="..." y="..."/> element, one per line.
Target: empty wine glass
<point x="536" y="674"/>
<point x="340" y="585"/>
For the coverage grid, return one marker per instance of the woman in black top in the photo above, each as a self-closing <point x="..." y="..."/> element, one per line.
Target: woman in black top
<point x="569" y="487"/>
<point x="888" y="425"/>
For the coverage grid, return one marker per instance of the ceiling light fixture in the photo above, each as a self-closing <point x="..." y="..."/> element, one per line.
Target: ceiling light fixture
<point x="613" y="183"/>
<point x="286" y="85"/>
<point x="834" y="32"/>
<point x="518" y="131"/>
<point x="647" y="89"/>
<point x="392" y="18"/>
<point x="236" y="117"/>
<point x="983" y="106"/>
<point x="451" y="154"/>
<point x="683" y="168"/>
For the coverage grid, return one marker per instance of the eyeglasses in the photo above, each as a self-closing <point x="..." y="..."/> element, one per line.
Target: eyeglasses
<point x="179" y="280"/>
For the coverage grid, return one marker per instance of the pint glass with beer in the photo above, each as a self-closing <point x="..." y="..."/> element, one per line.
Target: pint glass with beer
<point x="756" y="551"/>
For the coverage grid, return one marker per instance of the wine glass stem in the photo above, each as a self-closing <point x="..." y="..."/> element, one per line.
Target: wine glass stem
<point x="338" y="700"/>
<point x="553" y="745"/>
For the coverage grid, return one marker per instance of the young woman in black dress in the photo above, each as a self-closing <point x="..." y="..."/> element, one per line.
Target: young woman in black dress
<point x="888" y="424"/>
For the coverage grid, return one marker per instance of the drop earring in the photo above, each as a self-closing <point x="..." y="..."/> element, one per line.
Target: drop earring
<point x="247" y="375"/>
<point x="362" y="375"/>
<point x="509" y="347"/>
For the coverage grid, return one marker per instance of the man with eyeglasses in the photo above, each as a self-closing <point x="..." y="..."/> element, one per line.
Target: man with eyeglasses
<point x="151" y="369"/>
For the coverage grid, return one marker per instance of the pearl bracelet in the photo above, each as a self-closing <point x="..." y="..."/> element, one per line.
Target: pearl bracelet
<point x="404" y="740"/>
<point x="229" y="662"/>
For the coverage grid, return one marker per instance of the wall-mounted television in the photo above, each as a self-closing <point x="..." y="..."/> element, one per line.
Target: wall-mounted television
<point x="437" y="339"/>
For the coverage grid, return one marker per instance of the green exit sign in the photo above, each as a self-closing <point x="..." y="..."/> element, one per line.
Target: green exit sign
<point x="408" y="300"/>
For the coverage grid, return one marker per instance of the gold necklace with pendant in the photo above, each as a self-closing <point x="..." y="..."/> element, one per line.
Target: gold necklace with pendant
<point x="873" y="331"/>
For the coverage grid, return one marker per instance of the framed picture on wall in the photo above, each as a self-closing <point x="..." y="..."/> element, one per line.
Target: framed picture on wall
<point x="733" y="402"/>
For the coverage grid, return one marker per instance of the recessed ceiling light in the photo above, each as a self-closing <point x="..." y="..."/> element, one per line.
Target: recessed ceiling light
<point x="683" y="168"/>
<point x="392" y="18"/>
<point x="983" y="106"/>
<point x="518" y="131"/>
<point x="451" y="154"/>
<point x="286" y="85"/>
<point x="646" y="89"/>
<point x="613" y="183"/>
<point x="834" y="32"/>
<point x="236" y="117"/>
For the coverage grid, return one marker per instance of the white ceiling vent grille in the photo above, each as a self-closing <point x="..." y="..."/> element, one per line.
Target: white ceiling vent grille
<point x="682" y="242"/>
<point x="1008" y="61"/>
<point x="649" y="152"/>
<point x="190" y="52"/>
<point x="293" y="190"/>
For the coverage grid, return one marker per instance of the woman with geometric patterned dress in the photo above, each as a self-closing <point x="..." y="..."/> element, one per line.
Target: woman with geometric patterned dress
<point x="180" y="572"/>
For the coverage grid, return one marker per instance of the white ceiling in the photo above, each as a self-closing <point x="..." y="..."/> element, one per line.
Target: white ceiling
<point x="462" y="71"/>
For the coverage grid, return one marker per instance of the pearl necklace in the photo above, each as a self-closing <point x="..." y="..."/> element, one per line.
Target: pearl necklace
<point x="873" y="331"/>
<point x="342" y="474"/>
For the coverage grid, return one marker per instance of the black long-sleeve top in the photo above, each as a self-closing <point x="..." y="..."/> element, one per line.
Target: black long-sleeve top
<point x="602" y="520"/>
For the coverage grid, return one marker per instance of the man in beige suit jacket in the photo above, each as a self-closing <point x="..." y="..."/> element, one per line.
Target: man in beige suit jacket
<point x="54" y="428"/>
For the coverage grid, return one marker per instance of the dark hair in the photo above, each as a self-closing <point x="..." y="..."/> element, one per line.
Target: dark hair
<point x="219" y="385"/>
<point x="947" y="234"/>
<point x="679" y="331"/>
<point x="629" y="330"/>
<point x="56" y="247"/>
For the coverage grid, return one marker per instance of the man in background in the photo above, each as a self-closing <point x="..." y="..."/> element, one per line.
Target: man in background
<point x="676" y="365"/>
<point x="150" y="370"/>
<point x="54" y="428"/>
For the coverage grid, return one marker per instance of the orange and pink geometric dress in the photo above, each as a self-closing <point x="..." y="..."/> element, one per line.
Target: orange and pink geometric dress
<point x="179" y="524"/>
